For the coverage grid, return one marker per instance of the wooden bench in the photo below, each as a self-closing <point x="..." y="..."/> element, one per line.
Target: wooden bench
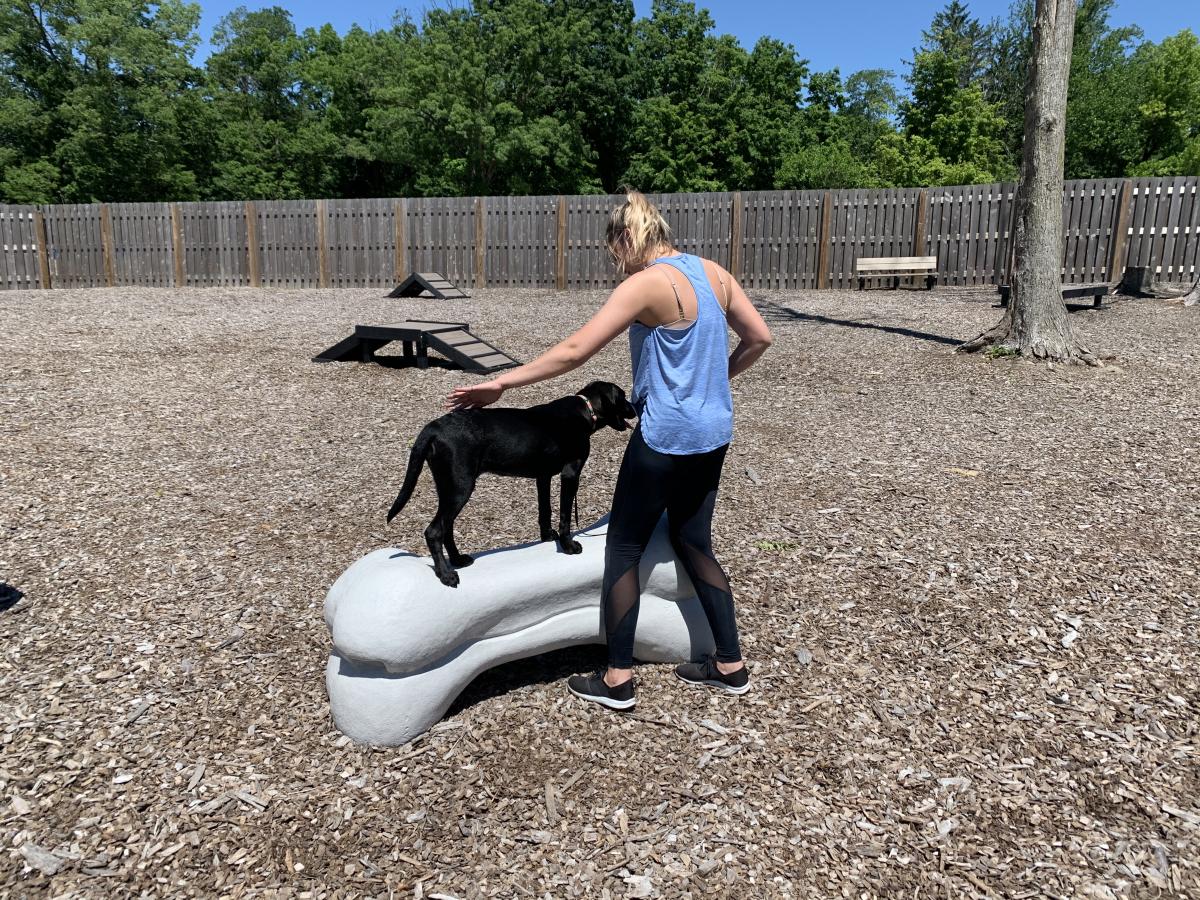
<point x="896" y="267"/>
<point x="1069" y="292"/>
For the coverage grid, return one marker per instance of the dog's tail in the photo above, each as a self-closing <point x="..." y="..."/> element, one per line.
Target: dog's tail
<point x="416" y="461"/>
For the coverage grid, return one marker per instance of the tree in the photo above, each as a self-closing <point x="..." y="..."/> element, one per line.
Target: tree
<point x="508" y="97"/>
<point x="1170" y="107"/>
<point x="948" y="108"/>
<point x="272" y="139"/>
<point x="87" y="87"/>
<point x="871" y="102"/>
<point x="1035" y="323"/>
<point x="962" y="38"/>
<point x="676" y="126"/>
<point x="1103" y="134"/>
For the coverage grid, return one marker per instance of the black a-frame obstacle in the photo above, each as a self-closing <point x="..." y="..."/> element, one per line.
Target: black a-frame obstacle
<point x="428" y="284"/>
<point x="452" y="340"/>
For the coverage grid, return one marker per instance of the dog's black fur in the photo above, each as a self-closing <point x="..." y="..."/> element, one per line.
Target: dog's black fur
<point x="539" y="442"/>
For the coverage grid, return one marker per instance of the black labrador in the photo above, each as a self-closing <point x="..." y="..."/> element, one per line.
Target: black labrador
<point x="539" y="442"/>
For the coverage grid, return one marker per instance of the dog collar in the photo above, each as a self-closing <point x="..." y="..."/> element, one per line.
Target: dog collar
<point x="588" y="403"/>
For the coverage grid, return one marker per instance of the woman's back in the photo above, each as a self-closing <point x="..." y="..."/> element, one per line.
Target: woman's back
<point x="680" y="369"/>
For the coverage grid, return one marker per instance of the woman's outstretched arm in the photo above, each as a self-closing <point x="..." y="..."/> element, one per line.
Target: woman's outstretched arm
<point x="623" y="306"/>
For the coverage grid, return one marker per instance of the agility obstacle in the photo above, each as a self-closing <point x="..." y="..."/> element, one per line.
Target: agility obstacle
<point x="428" y="284"/>
<point x="453" y="340"/>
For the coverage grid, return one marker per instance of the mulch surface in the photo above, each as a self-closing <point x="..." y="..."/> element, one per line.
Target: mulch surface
<point x="968" y="589"/>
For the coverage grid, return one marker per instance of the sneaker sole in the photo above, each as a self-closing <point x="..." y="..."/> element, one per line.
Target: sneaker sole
<point x="720" y="685"/>
<point x="604" y="701"/>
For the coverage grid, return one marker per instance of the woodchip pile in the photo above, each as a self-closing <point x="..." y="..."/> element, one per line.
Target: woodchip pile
<point x="968" y="589"/>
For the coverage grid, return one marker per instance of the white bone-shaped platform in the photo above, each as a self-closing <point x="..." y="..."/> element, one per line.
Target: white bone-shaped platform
<point x="405" y="645"/>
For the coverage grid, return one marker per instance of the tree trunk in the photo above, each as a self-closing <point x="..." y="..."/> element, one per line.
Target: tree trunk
<point x="1139" y="281"/>
<point x="1035" y="323"/>
<point x="1192" y="297"/>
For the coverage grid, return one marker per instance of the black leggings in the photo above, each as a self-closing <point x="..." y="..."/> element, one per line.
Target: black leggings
<point x="686" y="487"/>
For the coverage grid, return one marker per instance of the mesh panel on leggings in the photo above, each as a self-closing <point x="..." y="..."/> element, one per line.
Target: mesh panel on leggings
<point x="621" y="598"/>
<point x="705" y="567"/>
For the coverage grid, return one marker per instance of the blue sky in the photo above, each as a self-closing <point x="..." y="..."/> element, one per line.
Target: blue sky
<point x="850" y="35"/>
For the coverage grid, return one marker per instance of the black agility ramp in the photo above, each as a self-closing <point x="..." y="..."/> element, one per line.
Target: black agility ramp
<point x="428" y="284"/>
<point x="452" y="340"/>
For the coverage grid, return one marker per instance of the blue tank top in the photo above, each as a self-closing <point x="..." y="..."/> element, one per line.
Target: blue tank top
<point x="681" y="375"/>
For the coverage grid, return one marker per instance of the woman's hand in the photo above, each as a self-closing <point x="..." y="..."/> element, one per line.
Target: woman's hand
<point x="477" y="395"/>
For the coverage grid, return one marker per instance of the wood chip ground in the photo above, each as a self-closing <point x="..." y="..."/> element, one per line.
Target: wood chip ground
<point x="968" y="588"/>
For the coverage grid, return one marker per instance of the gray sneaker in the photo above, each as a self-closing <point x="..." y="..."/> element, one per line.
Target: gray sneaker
<point x="706" y="672"/>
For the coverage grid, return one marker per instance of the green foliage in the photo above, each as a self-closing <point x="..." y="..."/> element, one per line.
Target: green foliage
<point x="87" y="87"/>
<point x="912" y="161"/>
<point x="1103" y="137"/>
<point x="100" y="100"/>
<point x="819" y="166"/>
<point x="1002" y="351"/>
<point x="1170" y="101"/>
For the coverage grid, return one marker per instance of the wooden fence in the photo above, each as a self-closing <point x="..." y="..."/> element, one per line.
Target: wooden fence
<point x="769" y="239"/>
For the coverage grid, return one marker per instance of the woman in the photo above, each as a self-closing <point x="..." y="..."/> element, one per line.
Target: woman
<point x="675" y="307"/>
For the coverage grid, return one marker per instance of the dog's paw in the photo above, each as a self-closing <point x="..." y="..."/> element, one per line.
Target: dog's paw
<point x="549" y="535"/>
<point x="450" y="579"/>
<point x="461" y="561"/>
<point x="570" y="547"/>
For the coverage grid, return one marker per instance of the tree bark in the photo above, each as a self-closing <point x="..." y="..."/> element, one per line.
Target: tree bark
<point x="1138" y="281"/>
<point x="1035" y="322"/>
<point x="1192" y="297"/>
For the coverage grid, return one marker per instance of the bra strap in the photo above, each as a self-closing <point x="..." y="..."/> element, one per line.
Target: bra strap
<point x="675" y="288"/>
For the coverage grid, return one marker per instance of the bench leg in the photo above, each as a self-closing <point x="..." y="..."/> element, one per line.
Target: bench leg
<point x="367" y="348"/>
<point x="896" y="283"/>
<point x="409" y="352"/>
<point x="930" y="280"/>
<point x="1096" y="301"/>
<point x="862" y="283"/>
<point x="422" y="355"/>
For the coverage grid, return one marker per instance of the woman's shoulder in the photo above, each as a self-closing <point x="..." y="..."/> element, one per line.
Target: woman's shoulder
<point x="712" y="264"/>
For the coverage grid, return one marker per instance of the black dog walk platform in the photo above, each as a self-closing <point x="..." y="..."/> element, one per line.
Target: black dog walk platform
<point x="452" y="340"/>
<point x="428" y="284"/>
<point x="1070" y="292"/>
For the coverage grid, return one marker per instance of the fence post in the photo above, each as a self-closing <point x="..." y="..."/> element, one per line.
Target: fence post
<point x="400" y="219"/>
<point x="919" y="224"/>
<point x="823" y="240"/>
<point x="106" y="244"/>
<point x="252" y="244"/>
<point x="735" y="236"/>
<point x="177" y="245"/>
<point x="1119" y="247"/>
<point x="39" y="235"/>
<point x="322" y="245"/>
<point x="560" y="245"/>
<point x="480" y="238"/>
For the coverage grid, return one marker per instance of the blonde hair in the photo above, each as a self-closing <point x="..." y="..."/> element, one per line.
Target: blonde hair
<point x="635" y="230"/>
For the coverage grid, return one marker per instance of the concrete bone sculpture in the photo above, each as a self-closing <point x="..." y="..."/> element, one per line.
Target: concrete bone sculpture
<point x="405" y="645"/>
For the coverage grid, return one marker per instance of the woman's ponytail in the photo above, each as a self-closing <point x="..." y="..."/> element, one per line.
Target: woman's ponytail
<point x="635" y="230"/>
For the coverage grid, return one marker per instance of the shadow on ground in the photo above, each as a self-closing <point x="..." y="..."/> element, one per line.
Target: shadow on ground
<point x="541" y="669"/>
<point x="773" y="313"/>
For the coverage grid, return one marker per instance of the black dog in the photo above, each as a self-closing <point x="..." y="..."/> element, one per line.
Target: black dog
<point x="539" y="442"/>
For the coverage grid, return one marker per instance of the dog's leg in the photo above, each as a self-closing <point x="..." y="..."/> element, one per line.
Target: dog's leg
<point x="545" y="532"/>
<point x="453" y="493"/>
<point x="568" y="488"/>
<point x="458" y="560"/>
